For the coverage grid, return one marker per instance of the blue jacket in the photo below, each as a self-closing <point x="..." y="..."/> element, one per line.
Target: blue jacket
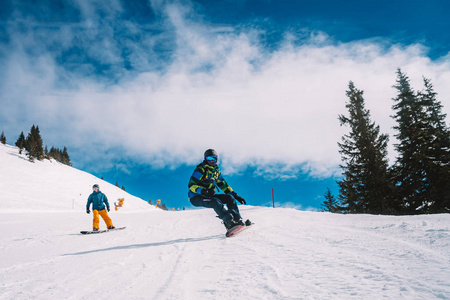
<point x="98" y="201"/>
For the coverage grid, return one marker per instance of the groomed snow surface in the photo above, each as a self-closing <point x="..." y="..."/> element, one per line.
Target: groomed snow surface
<point x="287" y="254"/>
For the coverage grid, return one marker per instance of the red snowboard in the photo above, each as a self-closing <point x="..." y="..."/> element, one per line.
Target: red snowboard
<point x="235" y="230"/>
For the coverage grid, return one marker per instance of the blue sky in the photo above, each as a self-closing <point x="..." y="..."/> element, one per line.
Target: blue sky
<point x="138" y="90"/>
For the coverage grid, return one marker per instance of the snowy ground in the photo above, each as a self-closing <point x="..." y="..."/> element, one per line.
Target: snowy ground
<point x="287" y="254"/>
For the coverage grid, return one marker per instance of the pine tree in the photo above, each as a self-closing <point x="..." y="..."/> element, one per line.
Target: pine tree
<point x="366" y="187"/>
<point x="31" y="144"/>
<point x="117" y="184"/>
<point x="123" y="188"/>
<point x="54" y="153"/>
<point x="65" y="159"/>
<point x="330" y="204"/>
<point x="439" y="138"/>
<point x="436" y="150"/>
<point x="422" y="166"/>
<point x="3" y="138"/>
<point x="21" y="142"/>
<point x="34" y="144"/>
<point x="39" y="144"/>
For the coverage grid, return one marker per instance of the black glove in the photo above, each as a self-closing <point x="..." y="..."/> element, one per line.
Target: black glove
<point x="107" y="208"/>
<point x="87" y="210"/>
<point x="209" y="193"/>
<point x="239" y="198"/>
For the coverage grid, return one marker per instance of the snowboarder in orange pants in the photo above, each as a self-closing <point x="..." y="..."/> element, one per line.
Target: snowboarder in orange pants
<point x="99" y="201"/>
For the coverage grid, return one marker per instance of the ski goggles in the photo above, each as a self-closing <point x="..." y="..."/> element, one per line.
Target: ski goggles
<point x="212" y="158"/>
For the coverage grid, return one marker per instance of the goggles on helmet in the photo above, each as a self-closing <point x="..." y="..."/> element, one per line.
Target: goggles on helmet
<point x="212" y="158"/>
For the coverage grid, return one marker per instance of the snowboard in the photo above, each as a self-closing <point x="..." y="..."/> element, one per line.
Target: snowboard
<point x="100" y="231"/>
<point x="236" y="229"/>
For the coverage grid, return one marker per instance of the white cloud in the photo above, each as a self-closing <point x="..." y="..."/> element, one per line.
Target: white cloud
<point x="274" y="110"/>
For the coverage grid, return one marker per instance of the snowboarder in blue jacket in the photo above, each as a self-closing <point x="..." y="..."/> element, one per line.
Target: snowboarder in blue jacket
<point x="99" y="202"/>
<point x="202" y="186"/>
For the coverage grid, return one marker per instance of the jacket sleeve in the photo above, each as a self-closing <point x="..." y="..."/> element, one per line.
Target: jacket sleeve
<point x="89" y="201"/>
<point x="223" y="185"/>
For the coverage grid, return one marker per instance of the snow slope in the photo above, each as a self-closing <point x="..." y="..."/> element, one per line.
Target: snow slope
<point x="287" y="254"/>
<point x="51" y="186"/>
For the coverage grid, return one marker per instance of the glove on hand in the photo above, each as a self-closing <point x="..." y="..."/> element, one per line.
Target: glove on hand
<point x="239" y="198"/>
<point x="107" y="208"/>
<point x="87" y="210"/>
<point x="209" y="193"/>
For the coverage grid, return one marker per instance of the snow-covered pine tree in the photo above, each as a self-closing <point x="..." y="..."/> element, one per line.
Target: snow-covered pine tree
<point x="366" y="187"/>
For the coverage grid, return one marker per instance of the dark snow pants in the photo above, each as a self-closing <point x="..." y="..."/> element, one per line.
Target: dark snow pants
<point x="218" y="202"/>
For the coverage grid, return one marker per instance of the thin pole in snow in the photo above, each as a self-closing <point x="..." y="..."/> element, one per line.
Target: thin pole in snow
<point x="273" y="200"/>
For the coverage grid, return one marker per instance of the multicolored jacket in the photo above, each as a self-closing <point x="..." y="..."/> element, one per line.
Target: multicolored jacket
<point x="97" y="200"/>
<point x="207" y="177"/>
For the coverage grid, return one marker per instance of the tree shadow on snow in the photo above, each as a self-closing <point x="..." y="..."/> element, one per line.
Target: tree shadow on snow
<point x="188" y="240"/>
<point x="19" y="156"/>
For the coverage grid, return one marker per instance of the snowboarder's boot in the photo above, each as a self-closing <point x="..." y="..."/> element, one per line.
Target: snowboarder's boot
<point x="229" y="224"/>
<point x="111" y="227"/>
<point x="95" y="229"/>
<point x="239" y="222"/>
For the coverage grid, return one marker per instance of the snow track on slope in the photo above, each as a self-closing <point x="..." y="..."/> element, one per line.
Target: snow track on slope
<point x="288" y="254"/>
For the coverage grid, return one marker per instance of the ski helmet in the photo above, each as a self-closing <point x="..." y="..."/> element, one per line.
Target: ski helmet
<point x="211" y="157"/>
<point x="210" y="152"/>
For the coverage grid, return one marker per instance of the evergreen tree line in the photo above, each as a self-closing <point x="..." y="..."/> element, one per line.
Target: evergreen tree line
<point x="33" y="144"/>
<point x="419" y="180"/>
<point x="117" y="184"/>
<point x="160" y="205"/>
<point x="58" y="154"/>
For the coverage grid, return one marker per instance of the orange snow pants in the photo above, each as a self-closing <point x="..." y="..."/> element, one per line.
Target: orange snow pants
<point x="105" y="218"/>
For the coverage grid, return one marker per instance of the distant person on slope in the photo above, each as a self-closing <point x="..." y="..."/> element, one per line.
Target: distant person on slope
<point x="98" y="200"/>
<point x="202" y="185"/>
